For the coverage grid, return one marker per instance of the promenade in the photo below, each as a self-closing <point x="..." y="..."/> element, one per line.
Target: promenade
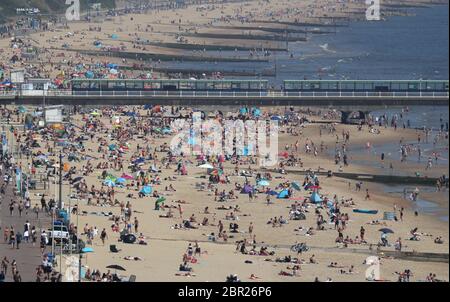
<point x="28" y="257"/>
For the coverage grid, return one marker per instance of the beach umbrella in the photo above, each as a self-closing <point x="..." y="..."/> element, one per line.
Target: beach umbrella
<point x="263" y="183"/>
<point x="121" y="180"/>
<point x="22" y="109"/>
<point x="89" y="74"/>
<point x="243" y="111"/>
<point x="42" y="157"/>
<point x="127" y="176"/>
<point x="146" y="190"/>
<point x="139" y="160"/>
<point x="296" y="186"/>
<point x="276" y="118"/>
<point x="111" y="177"/>
<point x="113" y="71"/>
<point x="272" y="192"/>
<point x="256" y="112"/>
<point x="116" y="267"/>
<point x="283" y="194"/>
<point x="386" y="231"/>
<point x="77" y="179"/>
<point x="109" y="183"/>
<point x="129" y="238"/>
<point x="112" y="66"/>
<point x="216" y="172"/>
<point x="160" y="199"/>
<point x="284" y="154"/>
<point x="112" y="147"/>
<point x="206" y="166"/>
<point x="167" y="130"/>
<point x="114" y="37"/>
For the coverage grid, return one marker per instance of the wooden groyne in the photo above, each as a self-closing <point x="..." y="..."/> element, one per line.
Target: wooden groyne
<point x="303" y="24"/>
<point x="282" y="38"/>
<point x="388" y="179"/>
<point x="208" y="47"/>
<point x="164" y="57"/>
<point x="279" y="30"/>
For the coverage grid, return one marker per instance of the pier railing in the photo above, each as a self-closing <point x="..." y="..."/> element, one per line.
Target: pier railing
<point x="223" y="94"/>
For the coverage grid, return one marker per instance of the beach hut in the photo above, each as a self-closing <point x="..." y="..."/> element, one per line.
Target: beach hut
<point x="315" y="198"/>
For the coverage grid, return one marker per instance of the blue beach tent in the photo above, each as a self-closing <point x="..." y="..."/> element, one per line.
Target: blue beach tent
<point x="315" y="198"/>
<point x="283" y="194"/>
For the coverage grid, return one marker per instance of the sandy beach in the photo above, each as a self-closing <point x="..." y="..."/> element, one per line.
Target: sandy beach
<point x="161" y="257"/>
<point x="107" y="38"/>
<point x="201" y="224"/>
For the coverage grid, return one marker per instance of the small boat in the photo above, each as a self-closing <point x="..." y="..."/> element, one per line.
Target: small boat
<point x="364" y="211"/>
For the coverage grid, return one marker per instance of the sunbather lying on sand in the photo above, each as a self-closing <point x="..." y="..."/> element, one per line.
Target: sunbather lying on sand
<point x="254" y="277"/>
<point x="132" y="258"/>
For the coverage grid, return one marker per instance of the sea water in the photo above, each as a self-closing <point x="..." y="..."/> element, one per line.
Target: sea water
<point x="402" y="47"/>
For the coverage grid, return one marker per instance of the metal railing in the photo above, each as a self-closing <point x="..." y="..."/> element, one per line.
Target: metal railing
<point x="225" y="94"/>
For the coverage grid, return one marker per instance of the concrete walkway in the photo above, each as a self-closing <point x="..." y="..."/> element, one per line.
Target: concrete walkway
<point x="28" y="257"/>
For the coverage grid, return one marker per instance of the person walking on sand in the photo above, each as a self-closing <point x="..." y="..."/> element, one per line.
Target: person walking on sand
<point x="136" y="225"/>
<point x="367" y="195"/>
<point x="250" y="229"/>
<point x="103" y="236"/>
<point x="268" y="199"/>
<point x="180" y="210"/>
